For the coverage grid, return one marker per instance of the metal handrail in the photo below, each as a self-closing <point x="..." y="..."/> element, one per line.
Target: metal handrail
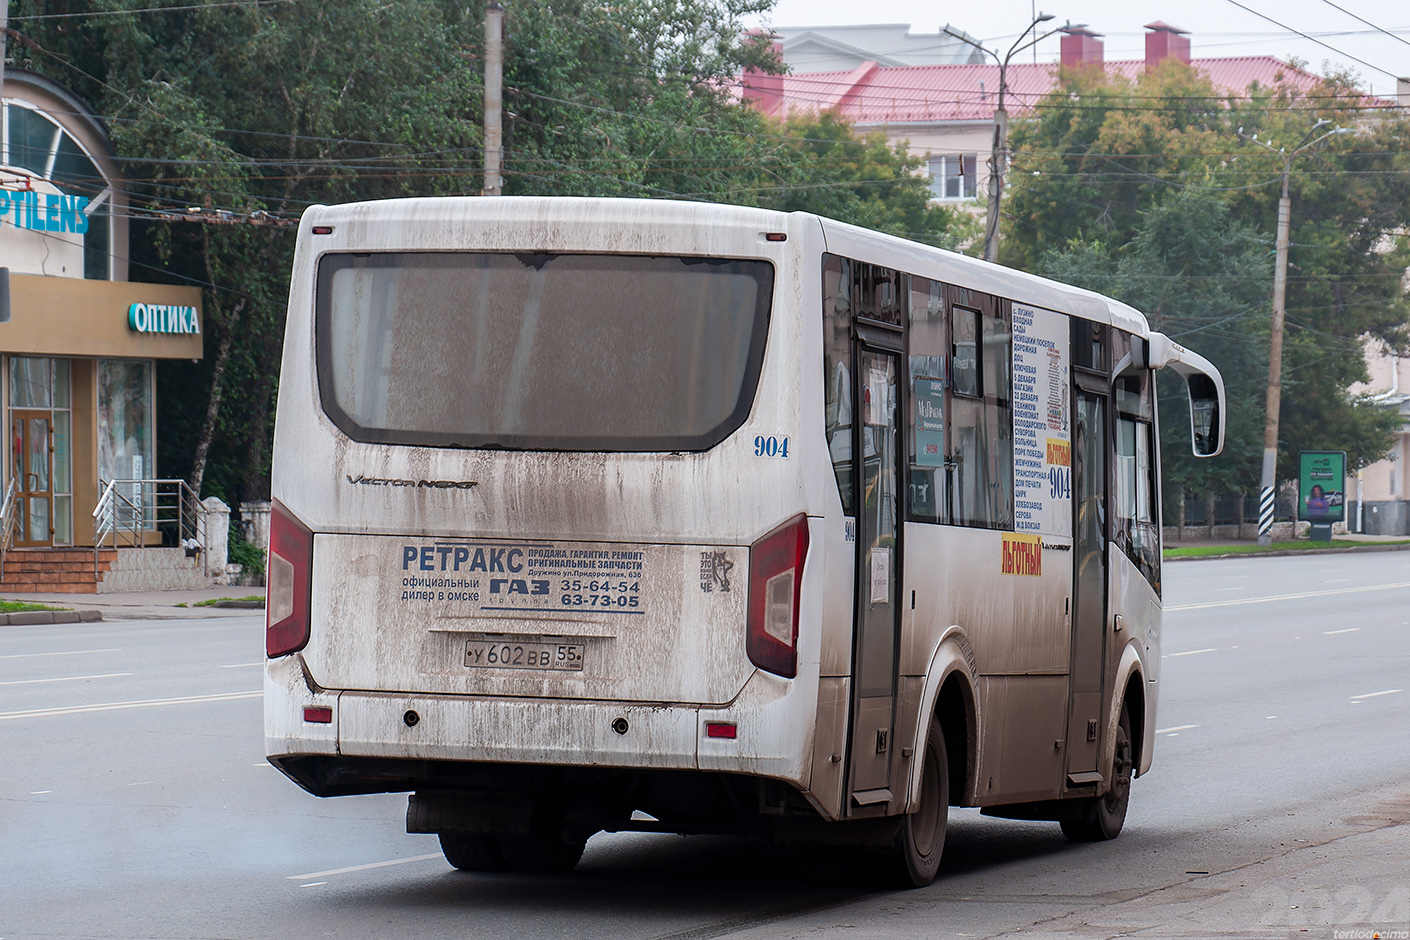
<point x="130" y="508"/>
<point x="7" y="526"/>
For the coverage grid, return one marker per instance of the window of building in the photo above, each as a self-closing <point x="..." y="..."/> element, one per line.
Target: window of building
<point x="37" y="144"/>
<point x="954" y="176"/>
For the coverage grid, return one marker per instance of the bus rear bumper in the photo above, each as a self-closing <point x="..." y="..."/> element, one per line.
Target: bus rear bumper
<point x="769" y="722"/>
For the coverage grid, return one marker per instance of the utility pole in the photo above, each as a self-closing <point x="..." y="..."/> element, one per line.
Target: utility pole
<point x="1269" y="485"/>
<point x="494" y="98"/>
<point x="999" y="152"/>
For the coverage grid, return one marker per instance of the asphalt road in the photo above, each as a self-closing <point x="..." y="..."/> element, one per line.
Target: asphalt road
<point x="135" y="802"/>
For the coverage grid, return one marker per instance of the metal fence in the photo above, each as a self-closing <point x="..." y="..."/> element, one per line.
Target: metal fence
<point x="130" y="509"/>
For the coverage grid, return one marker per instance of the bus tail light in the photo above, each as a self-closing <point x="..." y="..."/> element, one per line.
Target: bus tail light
<point x="775" y="582"/>
<point x="290" y="576"/>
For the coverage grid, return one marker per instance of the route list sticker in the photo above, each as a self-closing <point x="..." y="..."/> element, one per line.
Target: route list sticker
<point x="1042" y="438"/>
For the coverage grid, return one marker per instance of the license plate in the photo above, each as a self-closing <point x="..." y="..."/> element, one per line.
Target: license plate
<point x="484" y="654"/>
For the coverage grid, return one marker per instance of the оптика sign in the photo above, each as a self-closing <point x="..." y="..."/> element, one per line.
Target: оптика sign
<point x="163" y="318"/>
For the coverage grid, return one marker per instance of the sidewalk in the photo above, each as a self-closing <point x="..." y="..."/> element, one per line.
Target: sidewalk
<point x="150" y="605"/>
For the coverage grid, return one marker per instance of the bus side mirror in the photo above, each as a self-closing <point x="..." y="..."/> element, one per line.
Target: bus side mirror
<point x="1206" y="388"/>
<point x="1206" y="422"/>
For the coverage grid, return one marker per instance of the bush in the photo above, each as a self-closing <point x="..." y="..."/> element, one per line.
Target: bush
<point x="247" y="556"/>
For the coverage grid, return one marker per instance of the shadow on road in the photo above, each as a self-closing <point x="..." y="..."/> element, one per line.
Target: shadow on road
<point x="701" y="886"/>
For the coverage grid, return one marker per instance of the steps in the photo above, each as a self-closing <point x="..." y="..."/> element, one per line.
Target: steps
<point x="55" y="570"/>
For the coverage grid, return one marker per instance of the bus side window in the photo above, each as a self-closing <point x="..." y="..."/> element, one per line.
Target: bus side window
<point x="981" y="417"/>
<point x="1135" y="513"/>
<point x="837" y="372"/>
<point x="877" y="292"/>
<point x="929" y="345"/>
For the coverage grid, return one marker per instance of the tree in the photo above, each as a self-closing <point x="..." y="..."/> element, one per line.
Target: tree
<point x="1147" y="184"/>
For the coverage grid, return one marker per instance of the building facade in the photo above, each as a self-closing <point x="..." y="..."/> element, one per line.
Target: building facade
<point x="945" y="110"/>
<point x="1385" y="485"/>
<point x="79" y="348"/>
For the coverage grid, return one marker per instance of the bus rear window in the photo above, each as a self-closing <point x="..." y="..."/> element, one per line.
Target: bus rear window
<point x="540" y="352"/>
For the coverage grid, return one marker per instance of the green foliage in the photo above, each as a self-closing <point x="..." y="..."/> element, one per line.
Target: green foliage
<point x="1202" y="279"/>
<point x="830" y="171"/>
<point x="243" y="553"/>
<point x="1145" y="190"/>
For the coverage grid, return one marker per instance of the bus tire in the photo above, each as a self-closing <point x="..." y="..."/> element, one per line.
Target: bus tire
<point x="921" y="840"/>
<point x="1101" y="817"/>
<point x="544" y="853"/>
<point x="472" y="851"/>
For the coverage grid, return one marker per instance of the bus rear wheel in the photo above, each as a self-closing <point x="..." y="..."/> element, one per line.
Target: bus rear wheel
<point x="472" y="851"/>
<point x="921" y="840"/>
<point x="1101" y="817"/>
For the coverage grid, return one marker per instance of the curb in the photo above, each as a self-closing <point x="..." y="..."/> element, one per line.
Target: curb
<point x="27" y="617"/>
<point x="1358" y="550"/>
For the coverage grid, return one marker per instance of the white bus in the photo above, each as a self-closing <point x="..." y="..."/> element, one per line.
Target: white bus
<point x="610" y="514"/>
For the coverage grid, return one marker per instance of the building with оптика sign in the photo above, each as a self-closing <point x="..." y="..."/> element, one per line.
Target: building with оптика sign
<point x="78" y="352"/>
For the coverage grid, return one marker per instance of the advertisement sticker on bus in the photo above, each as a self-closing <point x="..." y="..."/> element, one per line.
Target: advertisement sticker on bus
<point x="533" y="577"/>
<point x="1042" y="434"/>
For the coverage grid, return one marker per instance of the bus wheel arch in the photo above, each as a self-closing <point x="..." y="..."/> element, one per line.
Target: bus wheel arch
<point x="948" y="698"/>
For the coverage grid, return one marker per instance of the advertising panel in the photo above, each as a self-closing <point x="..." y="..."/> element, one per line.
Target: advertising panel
<point x="1321" y="486"/>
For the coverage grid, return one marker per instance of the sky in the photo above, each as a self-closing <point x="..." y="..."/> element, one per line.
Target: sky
<point x="1217" y="28"/>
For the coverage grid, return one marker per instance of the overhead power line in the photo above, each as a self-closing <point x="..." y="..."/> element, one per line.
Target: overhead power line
<point x="1312" y="39"/>
<point x="94" y="14"/>
<point x="1366" y="21"/>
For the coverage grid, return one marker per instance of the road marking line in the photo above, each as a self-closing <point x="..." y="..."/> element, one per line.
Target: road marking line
<point x="1175" y="728"/>
<point x="1210" y="649"/>
<point x="313" y="884"/>
<point x="106" y="675"/>
<point x="63" y="653"/>
<point x="1375" y="694"/>
<point x="113" y="706"/>
<point x="241" y="665"/>
<point x="1269" y="717"/>
<point x="39" y="792"/>
<point x="1335" y="632"/>
<point x="1291" y="597"/>
<point x="344" y="871"/>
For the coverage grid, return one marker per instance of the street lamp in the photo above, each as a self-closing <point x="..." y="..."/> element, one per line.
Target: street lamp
<point x="1001" y="123"/>
<point x="1268" y="494"/>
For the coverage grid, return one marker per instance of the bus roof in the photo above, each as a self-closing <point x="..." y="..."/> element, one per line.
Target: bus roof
<point x="637" y="226"/>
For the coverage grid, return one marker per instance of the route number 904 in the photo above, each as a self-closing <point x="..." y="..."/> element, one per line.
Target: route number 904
<point x="770" y="446"/>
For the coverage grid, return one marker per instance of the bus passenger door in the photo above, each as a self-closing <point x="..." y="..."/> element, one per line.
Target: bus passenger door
<point x="877" y="610"/>
<point x="1088" y="590"/>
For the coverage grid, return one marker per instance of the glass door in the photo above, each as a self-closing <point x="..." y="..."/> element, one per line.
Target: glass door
<point x="878" y="576"/>
<point x="32" y="433"/>
<point x="1089" y="447"/>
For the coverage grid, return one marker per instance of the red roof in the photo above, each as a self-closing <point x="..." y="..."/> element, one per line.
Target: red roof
<point x="871" y="94"/>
